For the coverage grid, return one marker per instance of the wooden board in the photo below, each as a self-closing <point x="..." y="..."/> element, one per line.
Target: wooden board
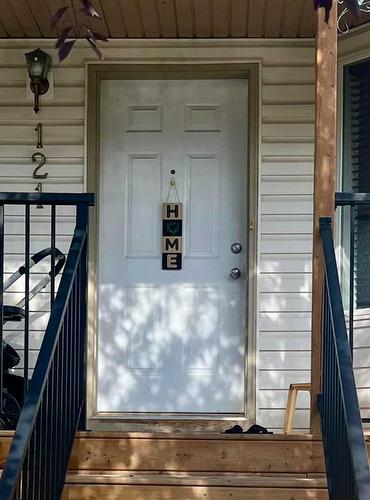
<point x="217" y="453"/>
<point x="324" y="181"/>
<point x="118" y="492"/>
<point x="237" y="455"/>
<point x="184" y="486"/>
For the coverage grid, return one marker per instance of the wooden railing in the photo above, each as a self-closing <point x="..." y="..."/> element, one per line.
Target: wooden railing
<point x="345" y="450"/>
<point x="54" y="401"/>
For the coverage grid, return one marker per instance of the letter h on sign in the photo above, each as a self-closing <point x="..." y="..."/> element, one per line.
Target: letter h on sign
<point x="172" y="236"/>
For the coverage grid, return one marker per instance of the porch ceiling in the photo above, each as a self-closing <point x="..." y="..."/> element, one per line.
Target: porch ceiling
<point x="168" y="18"/>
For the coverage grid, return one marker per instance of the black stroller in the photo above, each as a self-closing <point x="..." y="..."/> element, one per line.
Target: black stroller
<point x="13" y="385"/>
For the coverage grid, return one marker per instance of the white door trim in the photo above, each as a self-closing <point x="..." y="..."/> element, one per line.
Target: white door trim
<point x="211" y="68"/>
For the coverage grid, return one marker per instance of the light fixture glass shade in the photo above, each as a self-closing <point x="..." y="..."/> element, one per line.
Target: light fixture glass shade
<point x="38" y="64"/>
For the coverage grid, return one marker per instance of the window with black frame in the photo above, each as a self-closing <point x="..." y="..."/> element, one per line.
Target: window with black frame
<point x="356" y="171"/>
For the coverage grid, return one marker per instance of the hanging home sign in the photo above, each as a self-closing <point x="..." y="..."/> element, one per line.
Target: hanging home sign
<point x="171" y="236"/>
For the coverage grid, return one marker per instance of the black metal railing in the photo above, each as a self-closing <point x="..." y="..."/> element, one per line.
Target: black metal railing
<point x="354" y="225"/>
<point x="343" y="438"/>
<point x="55" y="396"/>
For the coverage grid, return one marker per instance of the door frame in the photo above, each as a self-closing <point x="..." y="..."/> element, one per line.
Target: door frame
<point x="158" y="70"/>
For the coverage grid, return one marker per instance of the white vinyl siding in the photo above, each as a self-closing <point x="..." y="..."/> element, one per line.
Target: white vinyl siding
<point x="285" y="179"/>
<point x="286" y="187"/>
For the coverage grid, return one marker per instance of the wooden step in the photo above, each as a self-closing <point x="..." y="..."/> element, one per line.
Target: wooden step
<point x="145" y="486"/>
<point x="191" y="453"/>
<point x="197" y="453"/>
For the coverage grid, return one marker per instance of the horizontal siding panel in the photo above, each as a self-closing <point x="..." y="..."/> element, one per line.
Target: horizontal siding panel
<point x="281" y="263"/>
<point x="33" y="355"/>
<point x="16" y="77"/>
<point x="282" y="322"/>
<point x="273" y="147"/>
<point x="288" y="94"/>
<point x="51" y="186"/>
<point x="288" y="302"/>
<point x="286" y="204"/>
<point x="355" y="43"/>
<point x="278" y="360"/>
<point x="56" y="134"/>
<point x="18" y="288"/>
<point x="38" y="322"/>
<point x="364" y="398"/>
<point x="284" y="341"/>
<point x="293" y="283"/>
<point x="14" y="225"/>
<point x="286" y="224"/>
<point x="283" y="169"/>
<point x="273" y="419"/>
<point x="277" y="185"/>
<point x="290" y="244"/>
<point x="16" y="339"/>
<point x="60" y="170"/>
<point x="50" y="151"/>
<point x="361" y="357"/>
<point x="288" y="75"/>
<point x="41" y="302"/>
<point x="278" y="399"/>
<point x="362" y="376"/>
<point x="17" y="211"/>
<point x="47" y="114"/>
<point x="15" y="244"/>
<point x="288" y="113"/>
<point x="271" y="379"/>
<point x="12" y="96"/>
<point x="288" y="130"/>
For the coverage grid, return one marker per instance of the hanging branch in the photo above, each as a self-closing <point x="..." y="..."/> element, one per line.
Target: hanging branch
<point x="351" y="6"/>
<point x="65" y="42"/>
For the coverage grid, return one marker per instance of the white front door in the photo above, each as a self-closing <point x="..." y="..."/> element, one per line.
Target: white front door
<point x="172" y="341"/>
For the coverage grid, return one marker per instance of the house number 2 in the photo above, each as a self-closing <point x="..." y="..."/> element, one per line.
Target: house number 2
<point x="42" y="160"/>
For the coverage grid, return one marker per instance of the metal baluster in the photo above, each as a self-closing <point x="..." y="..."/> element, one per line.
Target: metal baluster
<point x="29" y="491"/>
<point x="351" y="276"/>
<point x="54" y="423"/>
<point x="53" y="426"/>
<point x="73" y="336"/>
<point x="45" y="442"/>
<point x="53" y="238"/>
<point x="1" y="302"/>
<point x="82" y="222"/>
<point x="60" y="378"/>
<point x="27" y="297"/>
<point x="39" y="473"/>
<point x="83" y="319"/>
<point x="65" y="382"/>
<point x="77" y="338"/>
<point x="25" y="476"/>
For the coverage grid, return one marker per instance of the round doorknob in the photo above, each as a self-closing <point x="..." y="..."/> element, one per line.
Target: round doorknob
<point x="235" y="273"/>
<point x="236" y="247"/>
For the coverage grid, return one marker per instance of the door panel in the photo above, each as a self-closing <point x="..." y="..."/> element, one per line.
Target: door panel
<point x="172" y="341"/>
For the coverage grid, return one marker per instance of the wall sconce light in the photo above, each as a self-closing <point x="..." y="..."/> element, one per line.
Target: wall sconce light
<point x="38" y="65"/>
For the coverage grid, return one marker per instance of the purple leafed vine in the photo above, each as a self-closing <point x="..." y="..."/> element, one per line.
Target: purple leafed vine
<point x="65" y="41"/>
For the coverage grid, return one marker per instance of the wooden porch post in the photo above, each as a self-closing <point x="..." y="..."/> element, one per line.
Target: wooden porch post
<point x="324" y="181"/>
